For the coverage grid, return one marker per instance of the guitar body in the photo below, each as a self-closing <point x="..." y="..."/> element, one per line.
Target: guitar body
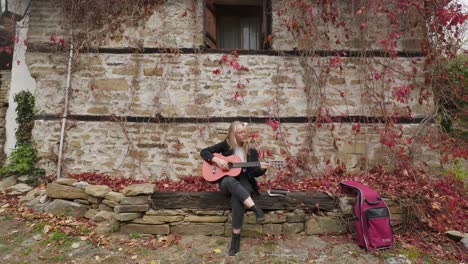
<point x="212" y="173"/>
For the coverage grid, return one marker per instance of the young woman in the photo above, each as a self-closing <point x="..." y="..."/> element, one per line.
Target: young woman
<point x="241" y="187"/>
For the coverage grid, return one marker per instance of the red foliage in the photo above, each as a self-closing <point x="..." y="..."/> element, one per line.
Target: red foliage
<point x="115" y="183"/>
<point x="440" y="204"/>
<point x="274" y="124"/>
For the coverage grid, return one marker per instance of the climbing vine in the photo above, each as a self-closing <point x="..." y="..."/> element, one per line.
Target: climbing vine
<point x="23" y="159"/>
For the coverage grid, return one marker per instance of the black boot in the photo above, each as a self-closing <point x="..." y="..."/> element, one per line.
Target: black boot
<point x="258" y="214"/>
<point x="235" y="244"/>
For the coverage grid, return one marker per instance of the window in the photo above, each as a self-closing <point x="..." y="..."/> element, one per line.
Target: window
<point x="231" y="24"/>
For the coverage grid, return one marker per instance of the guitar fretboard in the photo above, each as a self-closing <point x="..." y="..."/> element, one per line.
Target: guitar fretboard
<point x="246" y="164"/>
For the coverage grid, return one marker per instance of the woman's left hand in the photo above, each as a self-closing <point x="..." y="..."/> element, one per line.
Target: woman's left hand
<point x="264" y="165"/>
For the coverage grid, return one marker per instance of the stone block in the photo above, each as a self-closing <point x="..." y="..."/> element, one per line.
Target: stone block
<point x="273" y="229"/>
<point x="7" y="183"/>
<point x="66" y="181"/>
<point x="153" y="71"/>
<point x="93" y="199"/>
<point x="64" y="207"/>
<point x="130" y="70"/>
<point x="293" y="228"/>
<point x="115" y="85"/>
<point x="346" y="205"/>
<point x="316" y="225"/>
<point x="165" y="212"/>
<point x="355" y="147"/>
<point x="336" y="81"/>
<point x="145" y="229"/>
<point x="247" y="230"/>
<point x="277" y="217"/>
<point x="133" y="200"/>
<point x="114" y="196"/>
<point x="139" y="189"/>
<point x="209" y="212"/>
<point x="110" y="203"/>
<point x="205" y="219"/>
<point x="162" y="219"/>
<point x="103" y="216"/>
<point x="104" y="207"/>
<point x="298" y="216"/>
<point x="97" y="190"/>
<point x="91" y="213"/>
<point x="198" y="229"/>
<point x="81" y="201"/>
<point x="60" y="191"/>
<point x="131" y="208"/>
<point x="127" y="216"/>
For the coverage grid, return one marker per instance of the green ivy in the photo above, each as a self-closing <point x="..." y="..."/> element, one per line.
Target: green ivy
<point x="22" y="160"/>
<point x="25" y="116"/>
<point x="24" y="157"/>
<point x="457" y="170"/>
<point x="453" y="105"/>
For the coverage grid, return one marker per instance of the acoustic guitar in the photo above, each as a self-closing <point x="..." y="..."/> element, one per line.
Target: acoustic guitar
<point x="212" y="173"/>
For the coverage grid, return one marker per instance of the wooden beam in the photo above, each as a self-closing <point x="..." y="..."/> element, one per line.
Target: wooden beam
<point x="218" y="201"/>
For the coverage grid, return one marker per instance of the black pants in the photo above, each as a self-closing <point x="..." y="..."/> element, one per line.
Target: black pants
<point x="239" y="189"/>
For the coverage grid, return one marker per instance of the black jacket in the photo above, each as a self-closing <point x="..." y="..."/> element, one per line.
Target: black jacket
<point x="224" y="149"/>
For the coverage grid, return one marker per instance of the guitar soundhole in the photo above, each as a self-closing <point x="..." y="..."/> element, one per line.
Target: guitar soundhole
<point x="230" y="165"/>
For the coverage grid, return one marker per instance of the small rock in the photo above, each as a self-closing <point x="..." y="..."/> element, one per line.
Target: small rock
<point x="138" y="189"/>
<point x="465" y="241"/>
<point x="7" y="183"/>
<point x="81" y="184"/>
<point x="456" y="235"/>
<point x="66" y="181"/>
<point x="61" y="191"/>
<point x="23" y="178"/>
<point x="91" y="213"/>
<point x="97" y="190"/>
<point x="114" y="196"/>
<point x="31" y="195"/>
<point x="103" y="216"/>
<point x="37" y="237"/>
<point x="19" y="188"/>
<point x="81" y="201"/>
<point x="400" y="259"/>
<point x="85" y="250"/>
<point x="43" y="199"/>
<point x="75" y="245"/>
<point x="64" y="207"/>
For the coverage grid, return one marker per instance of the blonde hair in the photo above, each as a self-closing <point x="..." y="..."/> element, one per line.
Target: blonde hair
<point x="231" y="137"/>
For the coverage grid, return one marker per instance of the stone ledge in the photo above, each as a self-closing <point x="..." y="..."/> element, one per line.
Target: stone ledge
<point x="136" y="212"/>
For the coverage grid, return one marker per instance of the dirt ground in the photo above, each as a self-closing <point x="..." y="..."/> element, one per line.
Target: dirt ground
<point x="26" y="242"/>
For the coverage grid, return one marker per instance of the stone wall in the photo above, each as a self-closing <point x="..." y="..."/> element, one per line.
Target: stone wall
<point x="155" y="151"/>
<point x="185" y="86"/>
<point x="5" y="78"/>
<point x="166" y="27"/>
<point x="130" y="210"/>
<point x="109" y="86"/>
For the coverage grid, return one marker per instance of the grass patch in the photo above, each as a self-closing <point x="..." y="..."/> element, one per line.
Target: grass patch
<point x="135" y="235"/>
<point x="411" y="252"/>
<point x="39" y="227"/>
<point x="59" y="238"/>
<point x="59" y="258"/>
<point x="220" y="242"/>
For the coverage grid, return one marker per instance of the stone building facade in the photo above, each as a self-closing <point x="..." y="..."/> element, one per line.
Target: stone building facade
<point x="138" y="111"/>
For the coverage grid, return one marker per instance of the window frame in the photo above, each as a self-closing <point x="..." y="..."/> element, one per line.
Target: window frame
<point x="209" y="23"/>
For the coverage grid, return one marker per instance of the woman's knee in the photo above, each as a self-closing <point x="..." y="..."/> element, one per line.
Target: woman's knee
<point x="228" y="181"/>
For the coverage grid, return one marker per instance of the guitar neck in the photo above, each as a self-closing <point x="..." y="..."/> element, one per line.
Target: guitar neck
<point x="246" y="164"/>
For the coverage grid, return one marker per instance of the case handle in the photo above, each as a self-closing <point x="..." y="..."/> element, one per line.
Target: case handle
<point x="373" y="203"/>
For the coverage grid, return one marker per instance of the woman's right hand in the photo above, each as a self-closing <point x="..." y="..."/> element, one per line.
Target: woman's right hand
<point x="220" y="163"/>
